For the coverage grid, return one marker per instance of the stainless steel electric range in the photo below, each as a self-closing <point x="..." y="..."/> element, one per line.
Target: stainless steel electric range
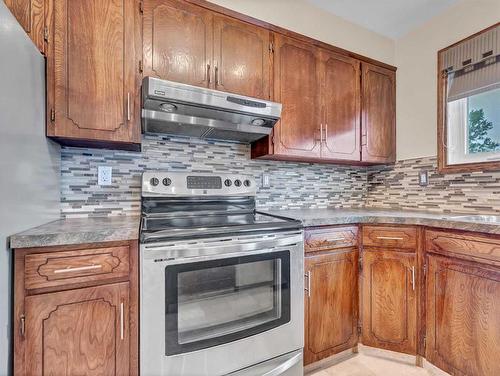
<point x="221" y="284"/>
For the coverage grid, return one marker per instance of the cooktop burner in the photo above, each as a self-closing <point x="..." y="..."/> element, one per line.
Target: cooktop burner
<point x="217" y="205"/>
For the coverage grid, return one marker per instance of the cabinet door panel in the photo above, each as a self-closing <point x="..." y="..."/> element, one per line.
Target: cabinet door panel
<point x="296" y="86"/>
<point x="341" y="102"/>
<point x="241" y="58"/>
<point x="463" y="317"/>
<point x="389" y="301"/>
<point x="91" y="70"/>
<point x="378" y="114"/>
<point x="78" y="332"/>
<point x="178" y="41"/>
<point x="331" y="304"/>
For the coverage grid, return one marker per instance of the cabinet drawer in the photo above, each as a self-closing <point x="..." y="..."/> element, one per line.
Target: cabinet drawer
<point x="53" y="269"/>
<point x="325" y="238"/>
<point x="390" y="236"/>
<point x="466" y="246"/>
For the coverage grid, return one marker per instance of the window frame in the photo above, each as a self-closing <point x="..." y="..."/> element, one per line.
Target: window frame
<point x="442" y="135"/>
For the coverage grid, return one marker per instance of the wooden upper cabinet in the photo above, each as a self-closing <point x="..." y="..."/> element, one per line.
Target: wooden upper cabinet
<point x="463" y="317"/>
<point x="78" y="332"/>
<point x="296" y="86"/>
<point x="341" y="106"/>
<point x="178" y="42"/>
<point x="378" y="108"/>
<point x="93" y="91"/>
<point x="241" y="58"/>
<point x="389" y="304"/>
<point x="30" y="14"/>
<point x="331" y="309"/>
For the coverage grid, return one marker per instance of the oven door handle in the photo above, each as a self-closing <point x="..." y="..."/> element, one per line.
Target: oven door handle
<point x="274" y="367"/>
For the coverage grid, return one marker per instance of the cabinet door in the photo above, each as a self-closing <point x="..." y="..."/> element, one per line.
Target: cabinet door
<point x="378" y="114"/>
<point x="389" y="304"/>
<point x="463" y="317"/>
<point x="341" y="98"/>
<point x="92" y="82"/>
<point x="331" y="307"/>
<point x="30" y="14"/>
<point x="241" y="58"/>
<point x="177" y="42"/>
<point x="78" y="332"/>
<point x="296" y="86"/>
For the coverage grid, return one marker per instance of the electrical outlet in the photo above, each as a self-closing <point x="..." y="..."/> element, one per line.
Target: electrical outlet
<point x="265" y="181"/>
<point x="423" y="178"/>
<point x="104" y="175"/>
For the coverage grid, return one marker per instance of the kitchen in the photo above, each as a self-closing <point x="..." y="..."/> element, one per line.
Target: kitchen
<point x="283" y="188"/>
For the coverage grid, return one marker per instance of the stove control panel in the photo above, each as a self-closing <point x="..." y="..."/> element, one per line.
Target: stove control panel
<point x="162" y="183"/>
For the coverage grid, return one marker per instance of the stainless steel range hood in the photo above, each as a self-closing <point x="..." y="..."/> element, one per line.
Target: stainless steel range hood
<point x="179" y="109"/>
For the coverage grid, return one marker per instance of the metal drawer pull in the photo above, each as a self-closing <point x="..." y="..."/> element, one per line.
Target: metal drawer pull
<point x="413" y="277"/>
<point x="308" y="289"/>
<point x="121" y="321"/>
<point x="77" y="269"/>
<point x="335" y="239"/>
<point x="389" y="238"/>
<point x="128" y="106"/>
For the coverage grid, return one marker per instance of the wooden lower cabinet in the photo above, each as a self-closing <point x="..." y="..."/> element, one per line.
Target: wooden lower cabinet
<point x="331" y="303"/>
<point x="389" y="300"/>
<point x="81" y="332"/>
<point x="463" y="316"/>
<point x="85" y="324"/>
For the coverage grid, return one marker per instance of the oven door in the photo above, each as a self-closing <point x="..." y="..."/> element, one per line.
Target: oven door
<point x="213" y="307"/>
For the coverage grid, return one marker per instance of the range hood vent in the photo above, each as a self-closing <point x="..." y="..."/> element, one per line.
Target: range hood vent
<point x="185" y="110"/>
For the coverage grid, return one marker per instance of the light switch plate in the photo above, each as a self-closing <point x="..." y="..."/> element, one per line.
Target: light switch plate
<point x="423" y="178"/>
<point x="104" y="175"/>
<point x="265" y="181"/>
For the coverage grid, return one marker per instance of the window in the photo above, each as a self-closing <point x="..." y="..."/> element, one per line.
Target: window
<point x="469" y="125"/>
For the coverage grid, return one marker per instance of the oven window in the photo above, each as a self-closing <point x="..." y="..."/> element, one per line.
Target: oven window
<point x="213" y="302"/>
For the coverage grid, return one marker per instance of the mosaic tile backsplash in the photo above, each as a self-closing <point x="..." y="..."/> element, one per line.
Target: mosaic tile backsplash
<point x="293" y="185"/>
<point x="397" y="187"/>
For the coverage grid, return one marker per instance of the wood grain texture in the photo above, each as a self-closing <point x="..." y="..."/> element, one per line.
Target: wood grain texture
<point x="443" y="166"/>
<point x="398" y="237"/>
<point x="30" y="15"/>
<point x="92" y="80"/>
<point x="178" y="42"/>
<point x="378" y="109"/>
<point x="327" y="238"/>
<point x="241" y="58"/>
<point x="467" y="246"/>
<point x="341" y="96"/>
<point x="78" y="332"/>
<point x="331" y="315"/>
<point x="463" y="317"/>
<point x="43" y="270"/>
<point x="389" y="304"/>
<point x="296" y="86"/>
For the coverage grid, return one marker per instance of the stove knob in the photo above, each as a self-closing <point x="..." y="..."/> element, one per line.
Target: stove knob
<point x="154" y="182"/>
<point x="228" y="182"/>
<point x="247" y="183"/>
<point x="167" y="182"/>
<point x="237" y="183"/>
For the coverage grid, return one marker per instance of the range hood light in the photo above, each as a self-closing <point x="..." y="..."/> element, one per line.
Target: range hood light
<point x="168" y="107"/>
<point x="258" y="122"/>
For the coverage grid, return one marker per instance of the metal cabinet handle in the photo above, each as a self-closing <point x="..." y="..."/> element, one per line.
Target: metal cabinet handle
<point x="321" y="133"/>
<point x="23" y="325"/>
<point x="308" y="289"/>
<point x="216" y="75"/>
<point x="335" y="239"/>
<point x="128" y="106"/>
<point x="326" y="133"/>
<point x="413" y="277"/>
<point x="77" y="269"/>
<point x="121" y="321"/>
<point x="208" y="74"/>
<point x="389" y="238"/>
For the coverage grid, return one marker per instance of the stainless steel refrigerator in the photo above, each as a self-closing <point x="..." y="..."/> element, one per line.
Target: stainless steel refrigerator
<point x="29" y="162"/>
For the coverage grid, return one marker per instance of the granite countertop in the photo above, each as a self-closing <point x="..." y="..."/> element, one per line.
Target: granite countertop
<point x="78" y="231"/>
<point x="323" y="217"/>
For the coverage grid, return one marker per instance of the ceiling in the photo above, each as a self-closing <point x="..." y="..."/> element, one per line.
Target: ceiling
<point x="392" y="18"/>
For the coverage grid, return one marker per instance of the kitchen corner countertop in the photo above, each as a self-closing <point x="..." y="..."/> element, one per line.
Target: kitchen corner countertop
<point x="325" y="217"/>
<point x="78" y="231"/>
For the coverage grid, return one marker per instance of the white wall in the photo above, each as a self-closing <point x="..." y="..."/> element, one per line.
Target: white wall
<point x="416" y="59"/>
<point x="304" y="18"/>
